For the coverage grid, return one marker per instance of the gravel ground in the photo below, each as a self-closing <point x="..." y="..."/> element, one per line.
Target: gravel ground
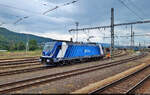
<point x="16" y="77"/>
<point x="76" y="82"/>
<point x="144" y="89"/>
<point x="147" y="85"/>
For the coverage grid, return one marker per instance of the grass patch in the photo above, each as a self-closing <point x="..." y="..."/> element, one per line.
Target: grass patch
<point x="20" y="54"/>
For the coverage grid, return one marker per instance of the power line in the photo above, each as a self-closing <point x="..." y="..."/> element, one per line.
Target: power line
<point x="121" y="24"/>
<point x="136" y="35"/>
<point x="44" y="13"/>
<point x="20" y="19"/>
<point x="16" y="8"/>
<point x="130" y="9"/>
<point x="50" y="10"/>
<point x="56" y="7"/>
<point x="137" y="8"/>
<point x="25" y="17"/>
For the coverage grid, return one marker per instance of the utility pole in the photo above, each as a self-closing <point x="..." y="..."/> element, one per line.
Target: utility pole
<point x="131" y="46"/>
<point x="112" y="32"/>
<point x="88" y="39"/>
<point x="77" y="24"/>
<point x="27" y="44"/>
<point x="144" y="46"/>
<point x="133" y="39"/>
<point x="139" y="45"/>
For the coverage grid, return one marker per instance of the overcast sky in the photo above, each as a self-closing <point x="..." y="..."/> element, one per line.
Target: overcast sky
<point x="88" y="13"/>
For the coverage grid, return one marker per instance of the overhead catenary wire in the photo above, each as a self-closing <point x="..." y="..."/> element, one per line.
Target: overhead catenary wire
<point x="21" y="19"/>
<point x="100" y="30"/>
<point x="44" y="13"/>
<point x="130" y="35"/>
<point x="16" y="8"/>
<point x="50" y="10"/>
<point x="120" y="24"/>
<point x="136" y="7"/>
<point x="122" y="2"/>
<point x="56" y="7"/>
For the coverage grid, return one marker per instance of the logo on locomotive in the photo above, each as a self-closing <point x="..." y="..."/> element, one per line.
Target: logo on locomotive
<point x="87" y="51"/>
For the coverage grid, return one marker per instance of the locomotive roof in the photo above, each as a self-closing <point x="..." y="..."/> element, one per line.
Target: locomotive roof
<point x="77" y="43"/>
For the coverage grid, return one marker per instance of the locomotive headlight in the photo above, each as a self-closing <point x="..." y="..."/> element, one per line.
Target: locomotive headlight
<point x="40" y="59"/>
<point x="47" y="60"/>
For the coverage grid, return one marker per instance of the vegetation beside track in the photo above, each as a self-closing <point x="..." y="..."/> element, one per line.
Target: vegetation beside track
<point x="19" y="54"/>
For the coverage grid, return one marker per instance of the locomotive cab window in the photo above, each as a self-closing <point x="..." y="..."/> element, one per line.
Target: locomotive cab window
<point x="49" y="46"/>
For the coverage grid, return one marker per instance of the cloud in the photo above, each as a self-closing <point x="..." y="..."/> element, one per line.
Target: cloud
<point x="54" y="35"/>
<point x="56" y="24"/>
<point x="61" y="19"/>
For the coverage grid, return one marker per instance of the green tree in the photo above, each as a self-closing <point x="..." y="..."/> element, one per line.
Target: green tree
<point x="20" y="46"/>
<point x="33" y="45"/>
<point x="12" y="46"/>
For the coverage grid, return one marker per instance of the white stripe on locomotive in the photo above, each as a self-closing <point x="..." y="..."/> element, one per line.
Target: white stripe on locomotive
<point x="62" y="51"/>
<point x="101" y="50"/>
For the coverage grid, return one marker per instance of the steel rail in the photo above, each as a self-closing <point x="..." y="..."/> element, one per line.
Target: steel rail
<point x="19" y="65"/>
<point x="138" y="85"/>
<point x="18" y="58"/>
<point x="19" y="62"/>
<point x="6" y="61"/>
<point x="22" y="71"/>
<point x="99" y="90"/>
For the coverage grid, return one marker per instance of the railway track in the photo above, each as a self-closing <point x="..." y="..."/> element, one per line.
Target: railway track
<point x="18" y="58"/>
<point x="18" y="65"/>
<point x="22" y="58"/>
<point x="141" y="87"/>
<point x="20" y="61"/>
<point x="18" y="71"/>
<point x="22" y="71"/>
<point x="18" y="85"/>
<point x="16" y="61"/>
<point x="126" y="85"/>
<point x="119" y="54"/>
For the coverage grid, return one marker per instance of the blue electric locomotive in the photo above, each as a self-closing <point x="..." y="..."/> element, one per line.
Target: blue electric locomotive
<point x="59" y="52"/>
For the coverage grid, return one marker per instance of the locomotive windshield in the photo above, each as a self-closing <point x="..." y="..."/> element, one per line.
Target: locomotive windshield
<point x="49" y="46"/>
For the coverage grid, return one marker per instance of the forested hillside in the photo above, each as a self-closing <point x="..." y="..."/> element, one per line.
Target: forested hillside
<point x="9" y="38"/>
